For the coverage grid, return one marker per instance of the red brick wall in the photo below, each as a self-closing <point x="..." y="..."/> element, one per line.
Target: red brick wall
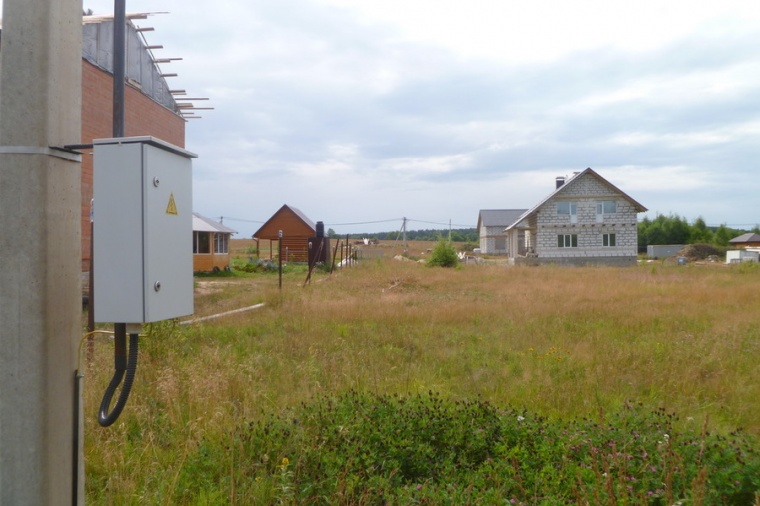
<point x="142" y="116"/>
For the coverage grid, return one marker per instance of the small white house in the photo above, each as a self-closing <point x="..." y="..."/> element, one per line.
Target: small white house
<point x="491" y="225"/>
<point x="742" y="255"/>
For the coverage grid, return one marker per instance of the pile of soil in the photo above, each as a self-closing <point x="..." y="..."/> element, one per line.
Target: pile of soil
<point x="695" y="252"/>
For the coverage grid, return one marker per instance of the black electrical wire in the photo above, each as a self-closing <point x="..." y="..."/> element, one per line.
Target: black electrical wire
<point x="78" y="387"/>
<point x="122" y="365"/>
<point x="361" y="222"/>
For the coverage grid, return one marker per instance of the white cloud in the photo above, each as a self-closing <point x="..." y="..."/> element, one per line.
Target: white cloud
<point x="435" y="109"/>
<point x="544" y="30"/>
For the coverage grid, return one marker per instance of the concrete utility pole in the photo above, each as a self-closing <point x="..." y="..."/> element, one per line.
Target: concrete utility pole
<point x="403" y="227"/>
<point x="40" y="241"/>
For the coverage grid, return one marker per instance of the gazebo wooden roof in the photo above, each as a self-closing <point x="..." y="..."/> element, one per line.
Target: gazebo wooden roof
<point x="296" y="230"/>
<point x="291" y="221"/>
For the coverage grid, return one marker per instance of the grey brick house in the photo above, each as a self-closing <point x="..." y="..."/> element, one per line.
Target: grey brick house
<point x="585" y="220"/>
<point x="491" y="225"/>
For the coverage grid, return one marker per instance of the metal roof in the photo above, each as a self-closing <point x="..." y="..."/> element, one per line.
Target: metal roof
<point x="203" y="224"/>
<point x="748" y="237"/>
<point x="303" y="217"/>
<point x="498" y="217"/>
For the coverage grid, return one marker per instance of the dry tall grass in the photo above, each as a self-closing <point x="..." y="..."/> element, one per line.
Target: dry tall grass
<point x="564" y="342"/>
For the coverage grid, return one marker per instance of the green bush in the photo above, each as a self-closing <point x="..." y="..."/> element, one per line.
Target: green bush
<point x="443" y="255"/>
<point x="367" y="449"/>
<point x="221" y="273"/>
<point x="256" y="265"/>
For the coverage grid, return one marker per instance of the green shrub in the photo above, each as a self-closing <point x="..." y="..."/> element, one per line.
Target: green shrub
<point x="221" y="273"/>
<point x="256" y="265"/>
<point x="367" y="449"/>
<point x="443" y="255"/>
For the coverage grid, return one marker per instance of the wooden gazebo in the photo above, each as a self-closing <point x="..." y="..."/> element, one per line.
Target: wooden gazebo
<point x="296" y="230"/>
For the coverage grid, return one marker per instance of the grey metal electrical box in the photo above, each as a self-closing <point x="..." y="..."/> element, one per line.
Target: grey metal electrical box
<point x="142" y="230"/>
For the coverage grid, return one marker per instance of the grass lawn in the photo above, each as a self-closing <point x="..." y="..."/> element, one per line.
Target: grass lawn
<point x="678" y="344"/>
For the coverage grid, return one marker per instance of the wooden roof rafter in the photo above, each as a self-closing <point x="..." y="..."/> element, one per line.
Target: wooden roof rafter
<point x="180" y="108"/>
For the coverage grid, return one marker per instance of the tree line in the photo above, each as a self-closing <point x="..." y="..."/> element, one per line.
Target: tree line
<point x="457" y="235"/>
<point x="673" y="229"/>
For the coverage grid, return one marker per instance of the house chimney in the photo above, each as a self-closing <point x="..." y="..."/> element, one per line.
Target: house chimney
<point x="560" y="180"/>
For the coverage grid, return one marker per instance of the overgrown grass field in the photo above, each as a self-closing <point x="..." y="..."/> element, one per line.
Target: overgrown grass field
<point x="394" y="383"/>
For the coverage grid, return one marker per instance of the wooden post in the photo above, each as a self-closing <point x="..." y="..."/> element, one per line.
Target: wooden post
<point x="279" y="254"/>
<point x="335" y="253"/>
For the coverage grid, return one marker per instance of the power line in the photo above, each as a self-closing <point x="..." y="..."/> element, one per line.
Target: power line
<point x="439" y="223"/>
<point x="239" y="219"/>
<point x="446" y="224"/>
<point x="735" y="225"/>
<point x="362" y="222"/>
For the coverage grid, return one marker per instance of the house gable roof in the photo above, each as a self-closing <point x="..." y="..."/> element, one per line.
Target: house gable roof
<point x="568" y="184"/>
<point x="498" y="217"/>
<point x="745" y="238"/>
<point x="203" y="224"/>
<point x="269" y="230"/>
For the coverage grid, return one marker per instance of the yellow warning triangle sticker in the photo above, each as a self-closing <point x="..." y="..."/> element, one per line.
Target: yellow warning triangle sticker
<point x="172" y="207"/>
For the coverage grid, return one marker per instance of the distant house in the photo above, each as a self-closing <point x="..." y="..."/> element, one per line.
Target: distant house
<point x="211" y="244"/>
<point x="296" y="230"/>
<point x="585" y="220"/>
<point x="749" y="240"/>
<point x="737" y="256"/>
<point x="491" y="225"/>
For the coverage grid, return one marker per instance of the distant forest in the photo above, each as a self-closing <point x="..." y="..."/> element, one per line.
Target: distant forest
<point x="674" y="229"/>
<point x="671" y="229"/>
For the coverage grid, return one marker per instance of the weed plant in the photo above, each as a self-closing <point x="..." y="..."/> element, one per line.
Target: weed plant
<point x="588" y="357"/>
<point x="363" y="448"/>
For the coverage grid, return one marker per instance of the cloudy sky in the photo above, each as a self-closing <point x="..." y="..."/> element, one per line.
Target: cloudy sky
<point x="368" y="111"/>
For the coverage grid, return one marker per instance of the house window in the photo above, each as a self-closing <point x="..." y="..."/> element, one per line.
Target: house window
<point x="569" y="209"/>
<point x="567" y="240"/>
<point x="608" y="240"/>
<point x="566" y="208"/>
<point x="201" y="243"/>
<point x="605" y="207"/>
<point x="220" y="243"/>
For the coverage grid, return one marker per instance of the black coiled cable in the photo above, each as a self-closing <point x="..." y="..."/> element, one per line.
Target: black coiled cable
<point x="122" y="365"/>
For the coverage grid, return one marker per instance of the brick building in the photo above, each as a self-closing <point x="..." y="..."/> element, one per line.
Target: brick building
<point x="150" y="106"/>
<point x="585" y="220"/>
